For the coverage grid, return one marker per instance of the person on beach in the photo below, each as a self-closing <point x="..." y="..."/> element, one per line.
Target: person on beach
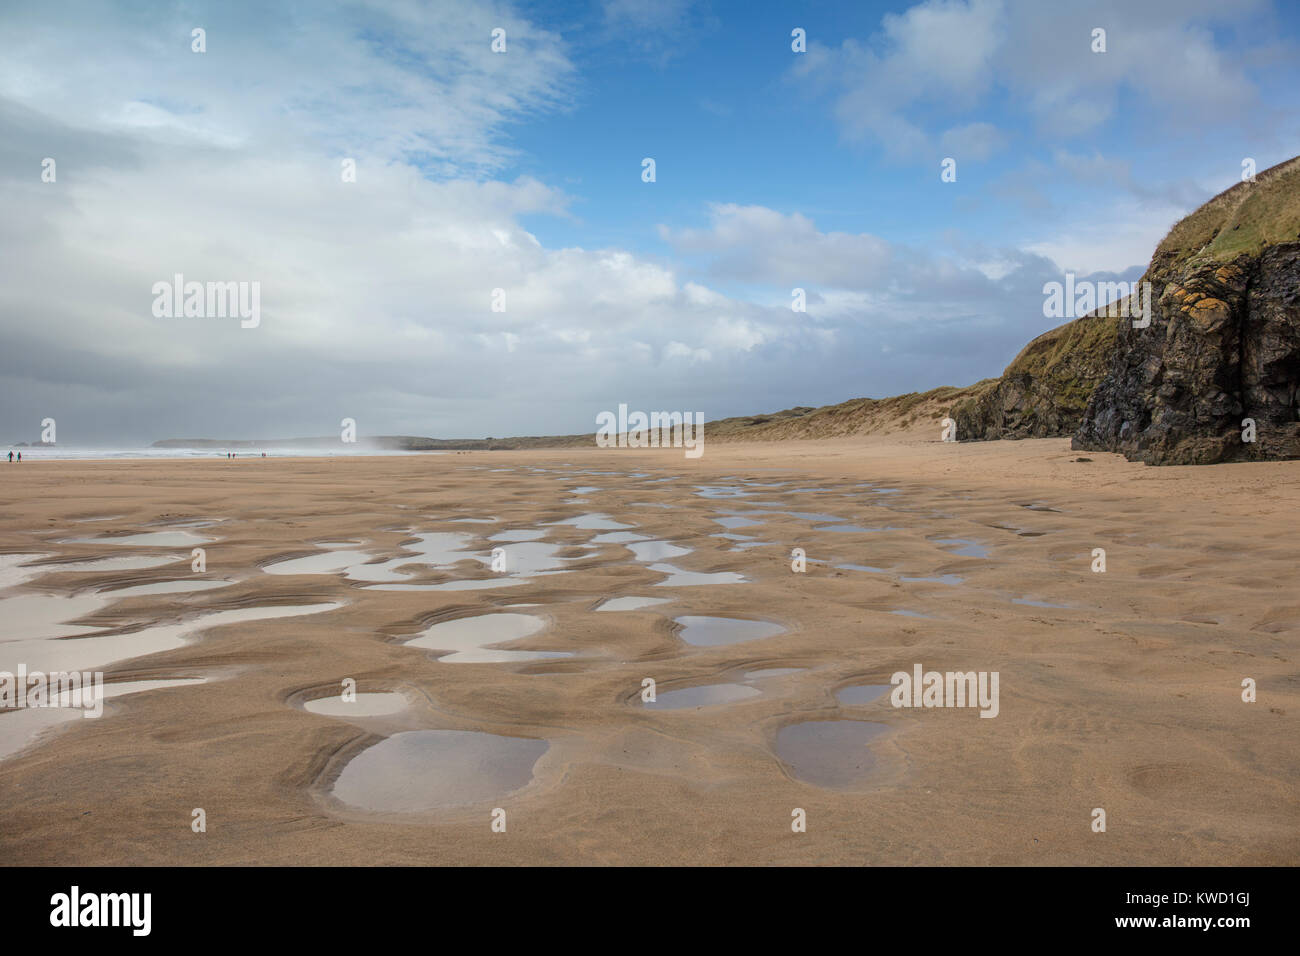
<point x="11" y="457"/>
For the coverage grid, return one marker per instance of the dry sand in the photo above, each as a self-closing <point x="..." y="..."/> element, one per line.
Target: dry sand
<point x="1128" y="699"/>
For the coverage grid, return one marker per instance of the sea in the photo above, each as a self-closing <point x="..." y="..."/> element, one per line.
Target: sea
<point x="59" y="453"/>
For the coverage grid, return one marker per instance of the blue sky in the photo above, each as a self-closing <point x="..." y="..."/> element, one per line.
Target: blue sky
<point x="522" y="171"/>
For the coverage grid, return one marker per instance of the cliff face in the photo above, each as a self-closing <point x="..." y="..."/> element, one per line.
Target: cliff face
<point x="1045" y="389"/>
<point x="1224" y="340"/>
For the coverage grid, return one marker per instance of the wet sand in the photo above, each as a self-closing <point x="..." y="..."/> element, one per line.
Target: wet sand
<point x="1119" y="690"/>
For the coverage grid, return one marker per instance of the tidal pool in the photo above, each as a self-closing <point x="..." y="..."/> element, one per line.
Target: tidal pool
<point x="594" y="522"/>
<point x="126" y="562"/>
<point x="328" y="562"/>
<point x="13" y="569"/>
<point x="656" y="550"/>
<point x="677" y="578"/>
<point x="703" y="695"/>
<point x="97" y="650"/>
<point x="422" y="770"/>
<point x="467" y="640"/>
<point x="522" y="534"/>
<point x="703" y="631"/>
<point x="151" y="539"/>
<point x="967" y="547"/>
<point x="859" y="694"/>
<point x="722" y="491"/>
<point x="363" y="705"/>
<point x="829" y="753"/>
<point x="618" y="537"/>
<point x="736" y="521"/>
<point x="952" y="579"/>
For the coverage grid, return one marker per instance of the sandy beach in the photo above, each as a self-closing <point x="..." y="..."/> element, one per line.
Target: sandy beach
<point x="1119" y="690"/>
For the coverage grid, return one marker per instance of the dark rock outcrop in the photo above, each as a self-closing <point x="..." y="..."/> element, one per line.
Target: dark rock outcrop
<point x="1044" y="391"/>
<point x="1223" y="344"/>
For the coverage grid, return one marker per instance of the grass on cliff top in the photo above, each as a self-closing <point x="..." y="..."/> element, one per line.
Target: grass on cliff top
<point x="1243" y="219"/>
<point x="1089" y="338"/>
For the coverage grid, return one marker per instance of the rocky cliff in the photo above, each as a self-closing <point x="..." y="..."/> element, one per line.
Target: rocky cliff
<point x="1045" y="389"/>
<point x="1223" y="345"/>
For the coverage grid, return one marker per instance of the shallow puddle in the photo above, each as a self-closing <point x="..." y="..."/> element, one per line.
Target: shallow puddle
<point x="530" y="557"/>
<point x="967" y="548"/>
<point x="466" y="639"/>
<point x="618" y="537"/>
<point x="860" y="694"/>
<point x="705" y="695"/>
<point x="523" y="534"/>
<point x="328" y="562"/>
<point x="98" y="650"/>
<point x="13" y="572"/>
<point x="656" y="550"/>
<point x="594" y="522"/>
<point x="439" y="549"/>
<point x="722" y="491"/>
<point x="632" y="603"/>
<point x="735" y="521"/>
<point x="1028" y="603"/>
<point x="362" y="705"/>
<point x="952" y="579"/>
<point x="29" y="617"/>
<point x="703" y="631"/>
<point x="829" y="753"/>
<point x="677" y="578"/>
<point x="121" y="563"/>
<point x="151" y="539"/>
<point x="431" y="769"/>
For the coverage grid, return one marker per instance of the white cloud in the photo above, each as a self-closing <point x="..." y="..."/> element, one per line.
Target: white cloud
<point x="941" y="58"/>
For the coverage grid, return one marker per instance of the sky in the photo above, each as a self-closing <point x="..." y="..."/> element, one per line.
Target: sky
<point x="499" y="264"/>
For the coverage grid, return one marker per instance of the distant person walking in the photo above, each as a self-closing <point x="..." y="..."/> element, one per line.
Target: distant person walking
<point x="11" y="457"/>
<point x="20" y="458"/>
